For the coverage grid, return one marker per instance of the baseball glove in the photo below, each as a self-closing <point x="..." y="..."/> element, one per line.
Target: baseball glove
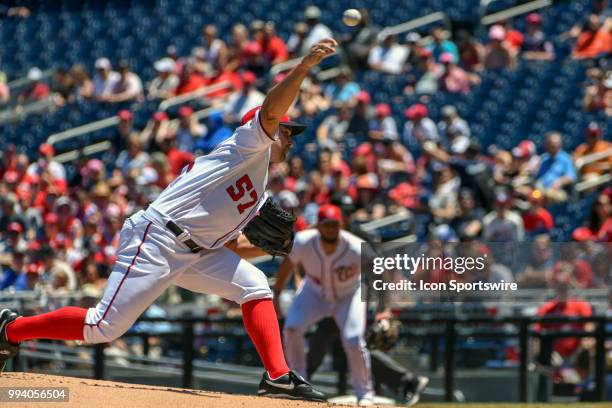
<point x="382" y="334"/>
<point x="271" y="230"/>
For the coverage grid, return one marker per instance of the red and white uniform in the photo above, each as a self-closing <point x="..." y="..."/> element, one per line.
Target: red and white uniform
<point x="212" y="199"/>
<point x="331" y="288"/>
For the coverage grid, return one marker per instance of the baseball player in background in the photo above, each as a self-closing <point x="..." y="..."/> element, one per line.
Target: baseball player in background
<point x="191" y="236"/>
<point x="331" y="260"/>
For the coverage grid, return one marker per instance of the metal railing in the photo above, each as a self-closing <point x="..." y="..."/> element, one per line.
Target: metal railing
<point x="445" y="330"/>
<point x="413" y="24"/>
<point x="105" y="145"/>
<point x="515" y="11"/>
<point x="198" y="93"/>
<point x="19" y="112"/>
<point x="113" y="120"/>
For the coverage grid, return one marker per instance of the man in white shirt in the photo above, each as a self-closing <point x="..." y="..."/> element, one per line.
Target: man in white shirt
<point x="104" y="80"/>
<point x="388" y="57"/>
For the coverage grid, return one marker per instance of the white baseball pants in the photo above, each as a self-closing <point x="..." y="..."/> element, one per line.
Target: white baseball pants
<point x="149" y="260"/>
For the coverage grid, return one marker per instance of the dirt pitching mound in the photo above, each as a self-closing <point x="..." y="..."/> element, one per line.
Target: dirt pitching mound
<point x="109" y="394"/>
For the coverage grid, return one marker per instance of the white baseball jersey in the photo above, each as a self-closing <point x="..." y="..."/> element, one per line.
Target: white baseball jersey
<point x="337" y="275"/>
<point x="218" y="194"/>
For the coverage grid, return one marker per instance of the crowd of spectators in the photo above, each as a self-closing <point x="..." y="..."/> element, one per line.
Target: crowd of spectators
<point x="437" y="170"/>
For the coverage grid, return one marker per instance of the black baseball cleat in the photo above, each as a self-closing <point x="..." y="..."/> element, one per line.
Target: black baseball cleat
<point x="414" y="389"/>
<point x="7" y="349"/>
<point x="290" y="386"/>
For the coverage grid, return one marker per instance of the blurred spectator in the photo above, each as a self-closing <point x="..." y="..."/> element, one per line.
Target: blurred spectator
<point x="128" y="87"/>
<point x="133" y="157"/>
<point x="413" y="59"/>
<point x="443" y="201"/>
<point x="189" y="129"/>
<point x="52" y="265"/>
<point x="316" y="30"/>
<point x="563" y="305"/>
<point x="10" y="212"/>
<point x="177" y="159"/>
<point x="419" y="126"/>
<point x="442" y="44"/>
<point x="333" y="128"/>
<point x="46" y="163"/>
<point x="539" y="264"/>
<point x="383" y="125"/>
<point x="467" y="222"/>
<point x="252" y="59"/>
<point x="13" y="238"/>
<point x="273" y="47"/>
<point x="239" y="103"/>
<point x="452" y="125"/>
<point x="595" y="38"/>
<point x="598" y="95"/>
<point x="498" y="54"/>
<point x="471" y="52"/>
<point x="215" y="48"/>
<point x="62" y="83"/>
<point x="217" y="133"/>
<point x="342" y="91"/>
<point x="526" y="163"/>
<point x="454" y="79"/>
<point x="83" y="85"/>
<point x="430" y="72"/>
<point x="156" y="130"/>
<point x="236" y="47"/>
<point x="557" y="171"/>
<point x="5" y="91"/>
<point x="360" y="41"/>
<point x="296" y="42"/>
<point x="159" y="163"/>
<point x="104" y="80"/>
<point x="14" y="271"/>
<point x="189" y="80"/>
<point x="570" y="269"/>
<point x="503" y="224"/>
<point x="164" y="84"/>
<point x="535" y="44"/>
<point x="600" y="219"/>
<point x="311" y="100"/>
<point x="36" y="89"/>
<point x="514" y="38"/>
<point x="536" y="218"/>
<point x="388" y="57"/>
<point x="124" y="129"/>
<point x="593" y="144"/>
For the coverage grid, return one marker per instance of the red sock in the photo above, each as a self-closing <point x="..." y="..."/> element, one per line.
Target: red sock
<point x="65" y="323"/>
<point x="261" y="324"/>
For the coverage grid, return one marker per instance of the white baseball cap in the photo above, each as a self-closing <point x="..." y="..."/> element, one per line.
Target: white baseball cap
<point x="164" y="65"/>
<point x="103" y="63"/>
<point x="35" y="74"/>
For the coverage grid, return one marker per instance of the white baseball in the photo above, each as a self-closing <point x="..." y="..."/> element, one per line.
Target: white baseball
<point x="351" y="17"/>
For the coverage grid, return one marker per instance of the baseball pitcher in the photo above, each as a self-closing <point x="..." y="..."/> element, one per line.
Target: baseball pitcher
<point x="331" y="287"/>
<point x="192" y="236"/>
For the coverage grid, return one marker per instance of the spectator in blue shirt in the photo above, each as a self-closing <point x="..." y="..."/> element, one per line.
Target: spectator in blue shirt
<point x="11" y="273"/>
<point x="441" y="44"/>
<point x="557" y="171"/>
<point x="217" y="133"/>
<point x="342" y="91"/>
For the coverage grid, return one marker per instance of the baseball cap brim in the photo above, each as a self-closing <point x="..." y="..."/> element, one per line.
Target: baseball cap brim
<point x="296" y="128"/>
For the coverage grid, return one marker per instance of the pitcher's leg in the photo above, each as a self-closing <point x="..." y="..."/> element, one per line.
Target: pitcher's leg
<point x="140" y="276"/>
<point x="223" y="273"/>
<point x="350" y="316"/>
